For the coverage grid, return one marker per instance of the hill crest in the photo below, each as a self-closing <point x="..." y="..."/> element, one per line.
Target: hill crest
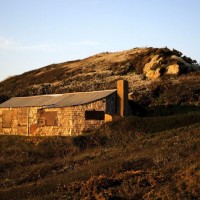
<point x="140" y="66"/>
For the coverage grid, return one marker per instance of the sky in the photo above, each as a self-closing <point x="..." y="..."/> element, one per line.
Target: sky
<point x="36" y="33"/>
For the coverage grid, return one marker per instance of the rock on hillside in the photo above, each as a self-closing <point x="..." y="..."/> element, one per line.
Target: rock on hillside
<point x="169" y="63"/>
<point x="140" y="66"/>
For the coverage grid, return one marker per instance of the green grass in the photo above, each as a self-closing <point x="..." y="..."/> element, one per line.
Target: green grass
<point x="134" y="158"/>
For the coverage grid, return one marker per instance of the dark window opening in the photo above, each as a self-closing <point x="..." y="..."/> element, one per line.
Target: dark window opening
<point x="94" y="115"/>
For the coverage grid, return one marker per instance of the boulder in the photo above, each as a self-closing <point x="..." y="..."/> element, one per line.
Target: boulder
<point x="154" y="61"/>
<point x="173" y="69"/>
<point x="176" y="58"/>
<point x="153" y="74"/>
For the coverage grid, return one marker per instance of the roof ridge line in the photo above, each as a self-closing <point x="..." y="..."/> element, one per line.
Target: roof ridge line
<point x="54" y="95"/>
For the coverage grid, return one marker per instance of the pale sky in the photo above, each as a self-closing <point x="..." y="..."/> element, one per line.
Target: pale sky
<point x="36" y="33"/>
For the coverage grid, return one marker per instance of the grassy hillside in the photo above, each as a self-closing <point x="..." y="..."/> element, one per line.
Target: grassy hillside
<point x="134" y="158"/>
<point x="151" y="157"/>
<point x="101" y="71"/>
<point x="168" y="94"/>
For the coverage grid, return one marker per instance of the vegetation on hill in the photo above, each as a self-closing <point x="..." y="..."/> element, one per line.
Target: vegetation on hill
<point x="168" y="95"/>
<point x="134" y="158"/>
<point x="154" y="156"/>
<point x="100" y="72"/>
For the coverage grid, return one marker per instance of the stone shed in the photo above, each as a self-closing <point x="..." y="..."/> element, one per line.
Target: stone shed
<point x="62" y="114"/>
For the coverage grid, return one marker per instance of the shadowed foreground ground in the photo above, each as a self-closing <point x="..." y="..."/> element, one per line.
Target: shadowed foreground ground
<point x="134" y="158"/>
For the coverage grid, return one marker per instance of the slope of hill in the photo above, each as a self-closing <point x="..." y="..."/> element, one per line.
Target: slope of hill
<point x="134" y="158"/>
<point x="140" y="66"/>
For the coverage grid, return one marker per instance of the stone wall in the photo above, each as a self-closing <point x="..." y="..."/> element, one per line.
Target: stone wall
<point x="68" y="121"/>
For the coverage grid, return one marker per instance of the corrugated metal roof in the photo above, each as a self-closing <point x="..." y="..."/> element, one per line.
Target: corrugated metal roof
<point x="57" y="100"/>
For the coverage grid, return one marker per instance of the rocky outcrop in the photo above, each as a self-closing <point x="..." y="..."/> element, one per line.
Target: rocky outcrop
<point x="173" y="69"/>
<point x="180" y="60"/>
<point x="99" y="72"/>
<point x="154" y="61"/>
<point x="169" y="63"/>
<point x="153" y="74"/>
